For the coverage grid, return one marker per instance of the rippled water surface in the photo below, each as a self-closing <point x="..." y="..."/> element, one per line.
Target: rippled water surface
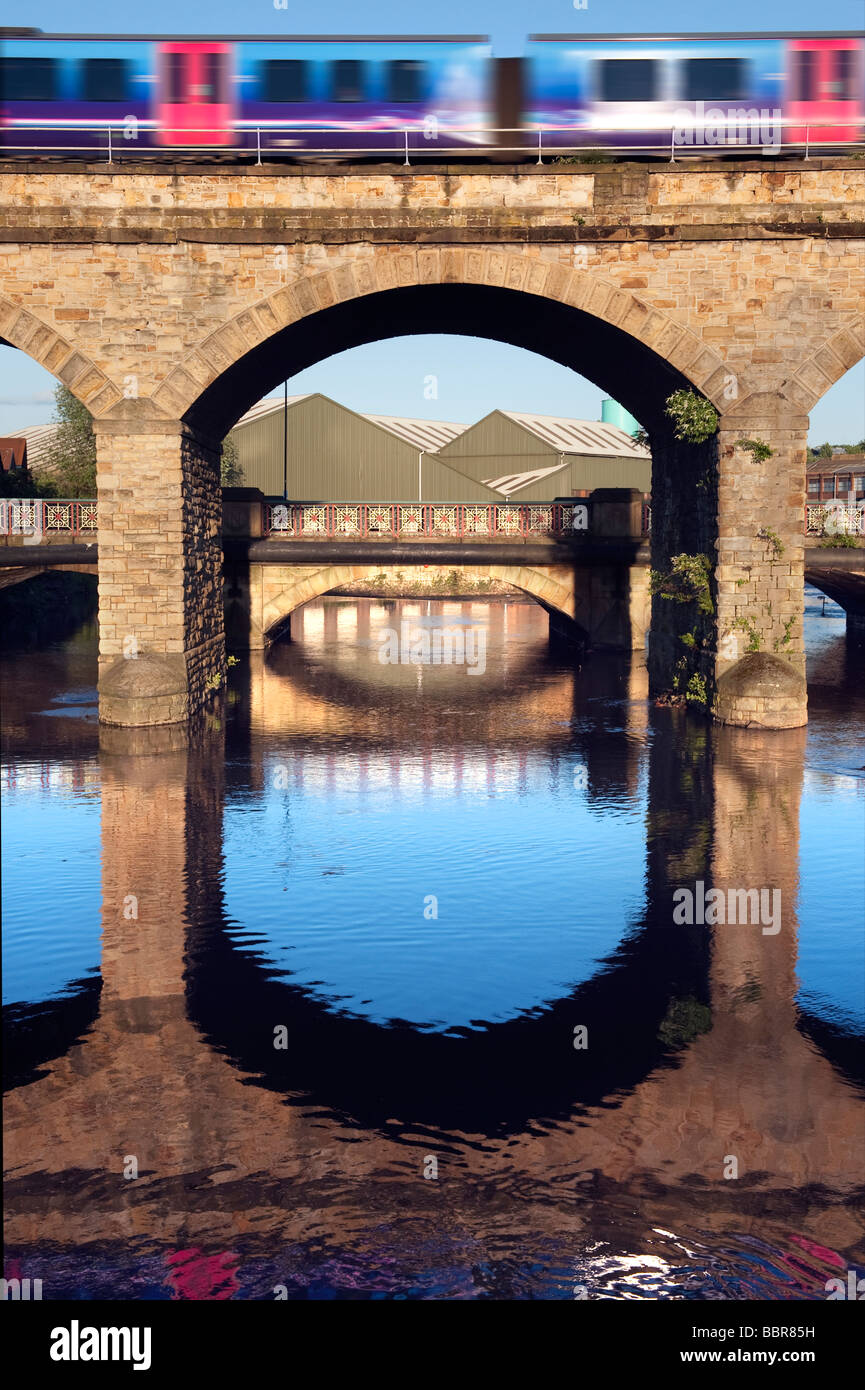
<point x="373" y="980"/>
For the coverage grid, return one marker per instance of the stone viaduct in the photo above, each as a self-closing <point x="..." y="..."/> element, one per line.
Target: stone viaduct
<point x="170" y="298"/>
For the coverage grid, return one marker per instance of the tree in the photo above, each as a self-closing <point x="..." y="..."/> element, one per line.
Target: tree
<point x="824" y="452"/>
<point x="230" y="470"/>
<point x="71" y="459"/>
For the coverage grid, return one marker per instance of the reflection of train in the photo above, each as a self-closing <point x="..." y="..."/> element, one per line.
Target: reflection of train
<point x="425" y="94"/>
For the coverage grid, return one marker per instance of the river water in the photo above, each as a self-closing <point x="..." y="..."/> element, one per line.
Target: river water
<point x="371" y="986"/>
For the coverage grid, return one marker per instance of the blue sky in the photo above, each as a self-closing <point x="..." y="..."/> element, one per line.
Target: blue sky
<point x="471" y="376"/>
<point x="506" y="21"/>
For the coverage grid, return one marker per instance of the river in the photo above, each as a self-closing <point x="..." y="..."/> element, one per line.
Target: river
<point x="371" y="985"/>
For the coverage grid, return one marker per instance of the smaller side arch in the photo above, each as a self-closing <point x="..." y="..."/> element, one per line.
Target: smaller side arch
<point x="826" y="365"/>
<point x="21" y="329"/>
<point x="279" y="599"/>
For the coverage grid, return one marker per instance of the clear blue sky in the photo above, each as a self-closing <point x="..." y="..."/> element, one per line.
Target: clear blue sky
<point x="473" y="376"/>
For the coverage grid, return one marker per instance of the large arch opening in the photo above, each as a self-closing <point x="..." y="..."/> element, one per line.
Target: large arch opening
<point x="606" y="354"/>
<point x="616" y="360"/>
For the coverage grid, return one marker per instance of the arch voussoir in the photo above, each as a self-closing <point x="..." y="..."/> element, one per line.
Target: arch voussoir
<point x="23" y="330"/>
<point x="391" y="268"/>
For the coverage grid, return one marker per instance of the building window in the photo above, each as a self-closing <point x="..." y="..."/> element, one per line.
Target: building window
<point x="715" y="79"/>
<point x="814" y="485"/>
<point x="104" y="79"/>
<point x="828" y="487"/>
<point x="628" y="79"/>
<point x="405" y="80"/>
<point x="285" y="79"/>
<point x="844" y="484"/>
<point x="28" y="79"/>
<point x="348" y="80"/>
<point x="859" y="486"/>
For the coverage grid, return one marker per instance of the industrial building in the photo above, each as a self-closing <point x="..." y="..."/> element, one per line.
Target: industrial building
<point x="536" y="458"/>
<point x="314" y="449"/>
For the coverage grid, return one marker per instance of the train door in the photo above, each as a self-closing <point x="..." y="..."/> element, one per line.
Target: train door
<point x="824" y="90"/>
<point x="194" y="94"/>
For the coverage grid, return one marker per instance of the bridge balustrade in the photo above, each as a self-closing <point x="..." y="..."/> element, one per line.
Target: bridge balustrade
<point x="837" y="520"/>
<point x="402" y="520"/>
<point x="38" y="515"/>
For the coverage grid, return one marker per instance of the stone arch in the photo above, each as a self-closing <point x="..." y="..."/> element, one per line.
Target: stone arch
<point x="826" y="365"/>
<point x="196" y="387"/>
<point x="542" y="583"/>
<point x="22" y="329"/>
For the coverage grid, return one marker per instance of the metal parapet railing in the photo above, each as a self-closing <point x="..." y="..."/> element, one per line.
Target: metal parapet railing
<point x="112" y="140"/>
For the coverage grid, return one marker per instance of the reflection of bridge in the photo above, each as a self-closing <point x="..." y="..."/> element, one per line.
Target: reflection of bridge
<point x="167" y="1072"/>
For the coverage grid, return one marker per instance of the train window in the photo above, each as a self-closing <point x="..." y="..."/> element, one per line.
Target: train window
<point x="175" y="78"/>
<point x="805" y="75"/>
<point x="348" y="79"/>
<point x="28" y="79"/>
<point x="285" y="79"/>
<point x="627" y="79"/>
<point x="104" y="79"/>
<point x="405" y="80"/>
<point x="212" y="73"/>
<point x="714" y="79"/>
<point x="845" y="74"/>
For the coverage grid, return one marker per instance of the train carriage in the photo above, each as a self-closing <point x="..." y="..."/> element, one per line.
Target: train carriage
<point x="427" y="96"/>
<point x="700" y="90"/>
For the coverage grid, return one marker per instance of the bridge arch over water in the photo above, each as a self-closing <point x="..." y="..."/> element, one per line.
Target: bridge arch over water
<point x="169" y="306"/>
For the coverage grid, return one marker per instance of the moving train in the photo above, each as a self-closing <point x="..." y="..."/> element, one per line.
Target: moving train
<point x="426" y="95"/>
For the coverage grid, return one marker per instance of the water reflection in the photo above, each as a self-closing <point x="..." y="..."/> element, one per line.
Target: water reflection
<point x="265" y="880"/>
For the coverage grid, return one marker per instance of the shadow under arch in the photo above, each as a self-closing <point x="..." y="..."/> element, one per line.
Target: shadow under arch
<point x="606" y="354"/>
<point x="549" y="594"/>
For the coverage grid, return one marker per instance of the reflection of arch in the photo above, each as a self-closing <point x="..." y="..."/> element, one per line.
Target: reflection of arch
<point x="24" y="330"/>
<point x="532" y="580"/>
<point x="571" y="316"/>
<point x="845" y="587"/>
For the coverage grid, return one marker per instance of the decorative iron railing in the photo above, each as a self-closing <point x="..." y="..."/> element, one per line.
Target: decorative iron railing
<point x="835" y="519"/>
<point x="403" y="520"/>
<point x="35" y="517"/>
<point x="38" y="516"/>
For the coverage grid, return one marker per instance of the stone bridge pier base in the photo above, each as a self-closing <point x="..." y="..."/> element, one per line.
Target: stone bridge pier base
<point x="759" y="668"/>
<point x="161" y="643"/>
<point x="732" y="645"/>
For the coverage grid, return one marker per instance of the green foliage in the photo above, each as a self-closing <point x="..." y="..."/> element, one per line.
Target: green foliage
<point x="773" y="540"/>
<point x="756" y="448"/>
<point x="696" y="692"/>
<point x="686" y="582"/>
<point x="71" y="462"/>
<point x="788" y="635"/>
<point x="230" y="471"/>
<point x="842" y="542"/>
<point x="694" y="418"/>
<point x="684" y="1020"/>
<point x="642" y="437"/>
<point x="755" y="641"/>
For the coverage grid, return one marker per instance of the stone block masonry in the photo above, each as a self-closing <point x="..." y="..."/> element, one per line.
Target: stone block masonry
<point x="168" y="298"/>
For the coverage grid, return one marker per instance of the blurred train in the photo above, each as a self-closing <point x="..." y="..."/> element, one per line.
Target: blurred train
<point x="426" y="95"/>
